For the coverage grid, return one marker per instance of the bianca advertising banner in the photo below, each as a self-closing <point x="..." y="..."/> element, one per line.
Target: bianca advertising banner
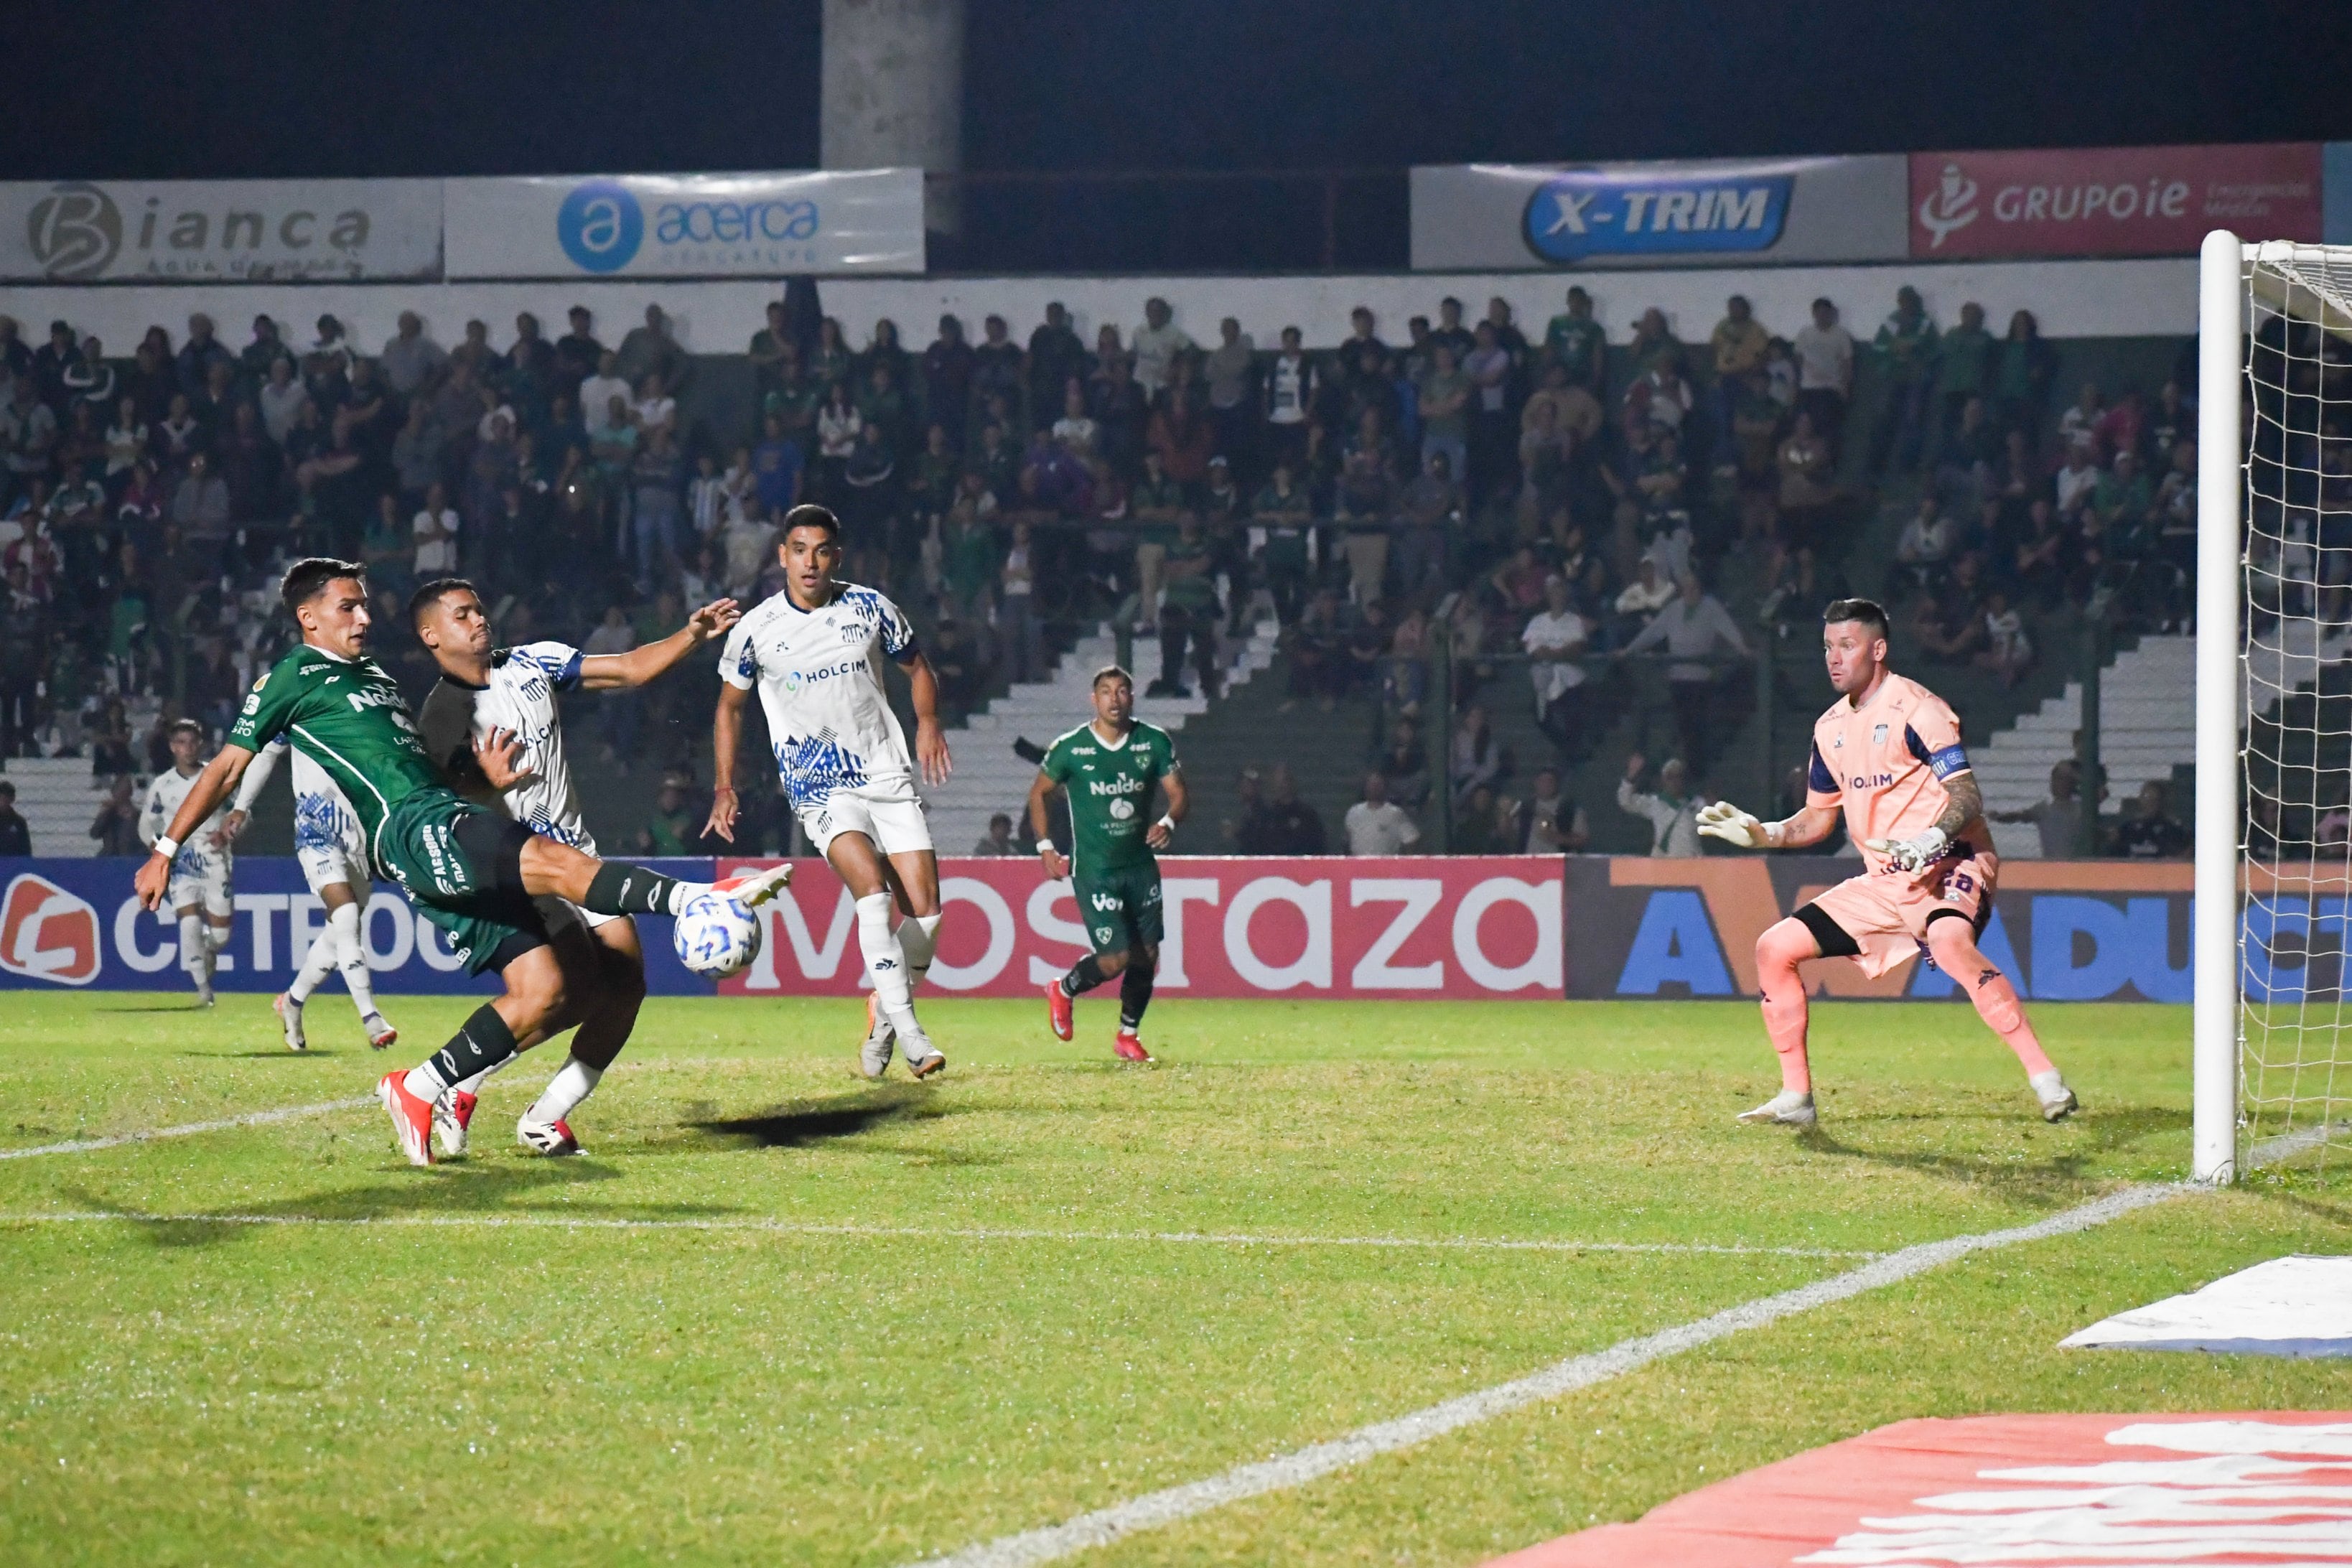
<point x="2111" y="201"/>
<point x="1478" y="217"/>
<point x="686" y="225"/>
<point x="214" y="231"/>
<point x="1363" y="929"/>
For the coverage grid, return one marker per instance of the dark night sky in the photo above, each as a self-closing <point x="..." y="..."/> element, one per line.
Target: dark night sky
<point x="254" y="88"/>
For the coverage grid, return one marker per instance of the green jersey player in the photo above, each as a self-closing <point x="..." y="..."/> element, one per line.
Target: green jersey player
<point x="1109" y="767"/>
<point x="473" y="870"/>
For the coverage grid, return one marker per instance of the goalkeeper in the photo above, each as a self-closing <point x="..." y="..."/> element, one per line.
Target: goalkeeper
<point x="1888" y="753"/>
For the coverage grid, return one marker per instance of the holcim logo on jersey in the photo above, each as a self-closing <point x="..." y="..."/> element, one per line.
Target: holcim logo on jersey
<point x="47" y="933"/>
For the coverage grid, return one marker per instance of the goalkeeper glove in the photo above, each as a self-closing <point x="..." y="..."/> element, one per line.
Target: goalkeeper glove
<point x="1726" y="821"/>
<point x="1913" y="854"/>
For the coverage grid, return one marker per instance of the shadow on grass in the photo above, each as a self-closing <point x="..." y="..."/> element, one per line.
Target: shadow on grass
<point x="280" y="1054"/>
<point x="803" y="1123"/>
<point x="153" y="1007"/>
<point x="2056" y="1182"/>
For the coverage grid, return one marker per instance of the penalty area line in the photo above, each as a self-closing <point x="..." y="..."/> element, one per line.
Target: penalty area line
<point x="1051" y="1543"/>
<point x="914" y="1233"/>
<point x="252" y="1118"/>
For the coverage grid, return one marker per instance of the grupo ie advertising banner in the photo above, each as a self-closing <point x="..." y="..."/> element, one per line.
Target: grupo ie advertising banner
<point x="1361" y="930"/>
<point x="2065" y="932"/>
<point x="209" y="231"/>
<point x="2111" y="201"/>
<point x="73" y="924"/>
<point x="709" y="225"/>
<point x="1716" y="211"/>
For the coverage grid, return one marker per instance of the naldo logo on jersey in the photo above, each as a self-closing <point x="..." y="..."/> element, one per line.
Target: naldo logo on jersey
<point x="1626" y="212"/>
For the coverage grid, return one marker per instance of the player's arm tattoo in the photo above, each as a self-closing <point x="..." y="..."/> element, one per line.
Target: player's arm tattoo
<point x="1807" y="826"/>
<point x="1965" y="805"/>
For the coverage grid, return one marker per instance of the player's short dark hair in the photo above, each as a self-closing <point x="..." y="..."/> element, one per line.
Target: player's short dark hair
<point x="1108" y="673"/>
<point x="808" y="514"/>
<point x="1868" y="612"/>
<point x="429" y="594"/>
<point x="189" y="726"/>
<point x="308" y="578"/>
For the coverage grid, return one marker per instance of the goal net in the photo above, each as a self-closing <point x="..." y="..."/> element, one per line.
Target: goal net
<point x="2289" y="352"/>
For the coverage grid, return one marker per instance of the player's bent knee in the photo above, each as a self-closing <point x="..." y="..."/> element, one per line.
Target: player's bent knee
<point x="1952" y="942"/>
<point x="1785" y="944"/>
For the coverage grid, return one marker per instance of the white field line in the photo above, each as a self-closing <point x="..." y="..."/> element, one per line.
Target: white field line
<point x="253" y="1118"/>
<point x="1054" y="1542"/>
<point x="912" y="1233"/>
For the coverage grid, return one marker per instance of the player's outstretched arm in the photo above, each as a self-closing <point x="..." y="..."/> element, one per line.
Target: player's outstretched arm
<point x="725" y="730"/>
<point x="603" y="672"/>
<point x="1162" y="833"/>
<point x="930" y="741"/>
<point x="1041" y="823"/>
<point x="1726" y="821"/>
<point x="213" y="785"/>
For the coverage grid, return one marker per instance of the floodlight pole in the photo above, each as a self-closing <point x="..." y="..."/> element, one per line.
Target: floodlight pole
<point x="2219" y="552"/>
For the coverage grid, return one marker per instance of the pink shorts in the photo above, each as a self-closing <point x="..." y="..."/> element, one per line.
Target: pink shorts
<point x="1886" y="913"/>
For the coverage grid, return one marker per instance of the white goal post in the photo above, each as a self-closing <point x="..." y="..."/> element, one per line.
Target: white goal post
<point x="2273" y="1073"/>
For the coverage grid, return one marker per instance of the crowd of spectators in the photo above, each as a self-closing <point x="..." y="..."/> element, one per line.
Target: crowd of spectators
<point x="1548" y="503"/>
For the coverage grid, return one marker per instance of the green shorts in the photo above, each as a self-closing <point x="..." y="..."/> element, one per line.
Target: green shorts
<point x="462" y="864"/>
<point x="1120" y="907"/>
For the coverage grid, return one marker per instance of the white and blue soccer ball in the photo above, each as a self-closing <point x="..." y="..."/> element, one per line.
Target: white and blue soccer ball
<point x="716" y="936"/>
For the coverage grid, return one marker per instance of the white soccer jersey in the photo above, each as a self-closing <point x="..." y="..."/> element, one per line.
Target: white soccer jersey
<point x="520" y="699"/>
<point x="819" y="676"/>
<point x="163" y="798"/>
<point x="327" y="837"/>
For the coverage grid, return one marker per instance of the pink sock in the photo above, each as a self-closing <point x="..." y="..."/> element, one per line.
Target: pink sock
<point x="1784" y="1014"/>
<point x="1997" y="1006"/>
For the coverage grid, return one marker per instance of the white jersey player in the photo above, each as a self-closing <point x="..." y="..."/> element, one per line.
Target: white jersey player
<point x="505" y="698"/>
<point x="814" y="653"/>
<point x="332" y="853"/>
<point x="198" y="892"/>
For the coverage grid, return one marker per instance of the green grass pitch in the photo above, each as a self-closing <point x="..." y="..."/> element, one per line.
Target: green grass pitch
<point x="852" y="1361"/>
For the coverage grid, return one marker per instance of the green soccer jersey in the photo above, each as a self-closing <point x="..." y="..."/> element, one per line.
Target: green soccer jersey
<point x="1111" y="792"/>
<point x="347" y="716"/>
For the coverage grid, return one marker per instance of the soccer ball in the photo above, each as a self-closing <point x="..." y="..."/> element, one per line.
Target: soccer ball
<point x="716" y="936"/>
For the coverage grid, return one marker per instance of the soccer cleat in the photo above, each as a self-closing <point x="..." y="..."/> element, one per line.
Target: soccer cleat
<point x="451" y="1117"/>
<point x="380" y="1032"/>
<point x="290" y="1014"/>
<point x="1058" y="1011"/>
<point x="203" y="992"/>
<point x="925" y="1062"/>
<point x="412" y="1118"/>
<point x="753" y="889"/>
<point x="550" y="1138"/>
<point x="2058" y="1102"/>
<point x="874" y="1056"/>
<point x="1130" y="1046"/>
<point x="1786" y="1109"/>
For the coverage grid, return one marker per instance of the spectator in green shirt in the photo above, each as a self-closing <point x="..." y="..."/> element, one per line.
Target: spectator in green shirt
<point x="674" y="827"/>
<point x="1906" y="346"/>
<point x="1188" y="612"/>
<point x="1577" y="344"/>
<point x="1963" y="366"/>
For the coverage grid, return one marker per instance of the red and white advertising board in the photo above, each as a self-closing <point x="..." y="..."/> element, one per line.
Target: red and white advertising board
<point x="2014" y="1491"/>
<point x="2110" y="201"/>
<point x="1331" y="927"/>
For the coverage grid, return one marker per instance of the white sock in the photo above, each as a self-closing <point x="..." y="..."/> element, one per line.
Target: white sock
<point x="473" y="1084"/>
<point x="919" y="938"/>
<point x="220" y="935"/>
<point x="886" y="962"/>
<point x="574" y="1081"/>
<point x="195" y="949"/>
<point x="351" y="957"/>
<point x="426" y="1083"/>
<point x="316" y="967"/>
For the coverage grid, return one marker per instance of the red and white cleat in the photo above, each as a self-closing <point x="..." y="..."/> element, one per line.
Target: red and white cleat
<point x="379" y="1033"/>
<point x="550" y="1138"/>
<point x="1058" y="1011"/>
<point x="451" y="1117"/>
<point x="412" y="1118"/>
<point x="1129" y="1047"/>
<point x="289" y="1017"/>
<point x="752" y="889"/>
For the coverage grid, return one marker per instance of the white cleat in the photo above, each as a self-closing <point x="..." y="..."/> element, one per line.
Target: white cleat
<point x="290" y="1014"/>
<point x="874" y="1056"/>
<point x="380" y="1032"/>
<point x="553" y="1139"/>
<point x="756" y="888"/>
<point x="2058" y="1102"/>
<point x="1786" y="1109"/>
<point x="203" y="992"/>
<point x="452" y="1114"/>
<point x="923" y="1058"/>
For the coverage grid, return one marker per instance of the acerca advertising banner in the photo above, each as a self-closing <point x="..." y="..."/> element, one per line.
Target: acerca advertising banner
<point x="214" y="231"/>
<point x="76" y="923"/>
<point x="1361" y="930"/>
<point x="686" y="225"/>
<point x="2065" y="932"/>
<point x="1716" y="211"/>
<point x="2111" y="201"/>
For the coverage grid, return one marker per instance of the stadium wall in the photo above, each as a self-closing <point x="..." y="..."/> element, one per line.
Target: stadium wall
<point x="1502" y="928"/>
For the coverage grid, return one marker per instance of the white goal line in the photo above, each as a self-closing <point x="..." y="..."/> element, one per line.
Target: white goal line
<point x="187" y="1130"/>
<point x="920" y="1233"/>
<point x="1051" y="1543"/>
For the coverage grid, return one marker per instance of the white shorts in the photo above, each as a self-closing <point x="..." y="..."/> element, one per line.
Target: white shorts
<point x="201" y="877"/>
<point x="886" y="811"/>
<point x="322" y="867"/>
